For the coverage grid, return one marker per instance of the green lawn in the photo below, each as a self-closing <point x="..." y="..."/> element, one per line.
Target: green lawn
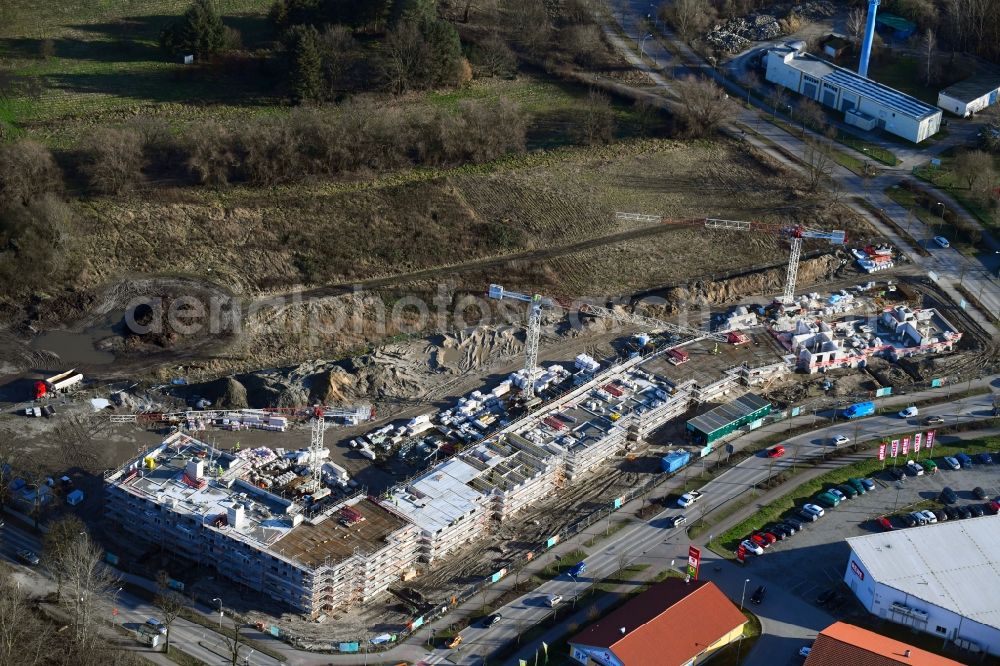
<point x="944" y="177"/>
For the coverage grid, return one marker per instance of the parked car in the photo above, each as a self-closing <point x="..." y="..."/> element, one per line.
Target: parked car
<point x="948" y="496"/>
<point x="934" y="420"/>
<point x="813" y="511"/>
<point x="992" y="507"/>
<point x="884" y="523"/>
<point x="28" y="557"/>
<point x="687" y="499"/>
<point x="929" y="466"/>
<point x="942" y="241"/>
<point x="964" y="460"/>
<point x="977" y="510"/>
<point x="929" y="515"/>
<point x="909" y="520"/>
<point x="979" y="493"/>
<point x="776" y="451"/>
<point x="940" y="515"/>
<point x="759" y="539"/>
<point x="839" y="440"/>
<point x="868" y="483"/>
<point x="909" y="412"/>
<point x="952" y="463"/>
<point x="750" y="546"/>
<point x="965" y="511"/>
<point x="858" y="485"/>
<point x="779" y="531"/>
<point x="554" y="600"/>
<point x="769" y="539"/>
<point x="493" y="619"/>
<point x="156" y="625"/>
<point x="953" y="512"/>
<point x="758" y="595"/>
<point x="984" y="458"/>
<point x="914" y="468"/>
<point x="679" y="520"/>
<point x="897" y="473"/>
<point x="794" y="523"/>
<point x="828" y="500"/>
<point x="848" y="490"/>
<point x="919" y="517"/>
<point x="838" y="493"/>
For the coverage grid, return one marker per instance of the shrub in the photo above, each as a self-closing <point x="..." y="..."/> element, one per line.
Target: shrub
<point x="27" y="170"/>
<point x="113" y="159"/>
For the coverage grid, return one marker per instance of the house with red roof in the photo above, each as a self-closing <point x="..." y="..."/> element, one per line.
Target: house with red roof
<point x="673" y="623"/>
<point x="843" y="643"/>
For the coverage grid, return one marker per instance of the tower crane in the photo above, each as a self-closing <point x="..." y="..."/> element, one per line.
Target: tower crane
<point x="534" y="329"/>
<point x="795" y="233"/>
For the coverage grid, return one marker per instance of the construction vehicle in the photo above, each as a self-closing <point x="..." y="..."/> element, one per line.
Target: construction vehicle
<point x="795" y="233"/>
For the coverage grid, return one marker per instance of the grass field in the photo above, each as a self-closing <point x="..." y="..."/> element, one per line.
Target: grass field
<point x="944" y="176"/>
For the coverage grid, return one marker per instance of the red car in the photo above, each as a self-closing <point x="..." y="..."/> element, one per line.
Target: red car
<point x="885" y="523"/>
<point x="759" y="539"/>
<point x="993" y="507"/>
<point x="776" y="451"/>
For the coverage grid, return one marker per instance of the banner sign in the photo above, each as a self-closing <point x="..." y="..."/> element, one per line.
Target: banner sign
<point x="916" y="442"/>
<point x="930" y="439"/>
<point x="857" y="570"/>
<point x="883" y="391"/>
<point x="906" y="445"/>
<point x="895" y="447"/>
<point x="881" y="451"/>
<point x="552" y="541"/>
<point x="694" y="562"/>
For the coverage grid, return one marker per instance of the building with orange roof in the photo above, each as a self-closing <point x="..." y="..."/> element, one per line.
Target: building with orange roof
<point x="843" y="643"/>
<point x="673" y="623"/>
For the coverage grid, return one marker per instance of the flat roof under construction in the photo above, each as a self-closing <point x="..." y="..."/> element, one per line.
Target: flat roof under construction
<point x="329" y="540"/>
<point x="440" y="497"/>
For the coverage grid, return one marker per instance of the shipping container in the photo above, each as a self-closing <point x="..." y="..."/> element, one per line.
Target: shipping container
<point x="678" y="356"/>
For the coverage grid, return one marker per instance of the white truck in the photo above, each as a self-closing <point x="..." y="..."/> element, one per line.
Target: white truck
<point x="687" y="499"/>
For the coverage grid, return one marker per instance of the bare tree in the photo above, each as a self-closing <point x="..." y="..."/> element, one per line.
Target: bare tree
<point x="529" y="23"/>
<point x="24" y="639"/>
<point x="777" y="98"/>
<point x="704" y="106"/>
<point x="811" y="115"/>
<point x="170" y="604"/>
<point x="856" y="19"/>
<point x="56" y="546"/>
<point x="972" y="165"/>
<point x="597" y="122"/>
<point x="27" y="170"/>
<point x="88" y="582"/>
<point x="235" y="641"/>
<point x="114" y="159"/>
<point x="818" y="158"/>
<point x="689" y="17"/>
<point x="928" y="45"/>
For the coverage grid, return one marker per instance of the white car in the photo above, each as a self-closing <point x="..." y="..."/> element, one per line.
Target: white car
<point x="841" y="439"/>
<point x="554" y="600"/>
<point x="752" y="547"/>
<point x="942" y="241"/>
<point x="687" y="499"/>
<point x="929" y="515"/>
<point x="909" y="412"/>
<point x="814" y="509"/>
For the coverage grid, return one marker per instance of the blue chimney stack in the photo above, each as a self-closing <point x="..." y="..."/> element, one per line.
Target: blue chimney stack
<point x="866" y="46"/>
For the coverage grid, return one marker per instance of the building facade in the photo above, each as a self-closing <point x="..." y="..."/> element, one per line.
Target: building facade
<point x="865" y="103"/>
<point x="971" y="96"/>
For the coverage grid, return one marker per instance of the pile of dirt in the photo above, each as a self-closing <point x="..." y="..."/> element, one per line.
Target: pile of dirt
<point x="814" y="10"/>
<point x="888" y="374"/>
<point x="471" y="348"/>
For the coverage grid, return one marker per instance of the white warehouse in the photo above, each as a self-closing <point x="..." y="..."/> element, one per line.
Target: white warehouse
<point x="970" y="96"/>
<point x="941" y="579"/>
<point x="866" y="104"/>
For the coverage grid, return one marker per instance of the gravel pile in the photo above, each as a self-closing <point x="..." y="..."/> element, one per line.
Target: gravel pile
<point x="815" y="10"/>
<point x="736" y="34"/>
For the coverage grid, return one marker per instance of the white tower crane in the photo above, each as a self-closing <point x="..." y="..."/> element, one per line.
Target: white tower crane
<point x="533" y="331"/>
<point x="796" y="233"/>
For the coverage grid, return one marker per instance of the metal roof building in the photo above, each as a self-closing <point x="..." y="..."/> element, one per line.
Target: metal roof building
<point x="971" y="95"/>
<point x="866" y="104"/>
<point x="941" y="579"/>
<point x="721" y="421"/>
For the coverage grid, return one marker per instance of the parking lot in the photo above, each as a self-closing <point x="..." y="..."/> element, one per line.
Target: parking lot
<point x="813" y="560"/>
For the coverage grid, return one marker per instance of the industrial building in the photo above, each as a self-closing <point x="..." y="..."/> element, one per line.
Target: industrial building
<point x="673" y="623"/>
<point x="843" y="643"/>
<point x="708" y="428"/>
<point x="941" y="579"/>
<point x="200" y="504"/>
<point x="970" y="96"/>
<point x="865" y="103"/>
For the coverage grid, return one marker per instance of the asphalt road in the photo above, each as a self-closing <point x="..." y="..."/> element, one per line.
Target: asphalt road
<point x="635" y="543"/>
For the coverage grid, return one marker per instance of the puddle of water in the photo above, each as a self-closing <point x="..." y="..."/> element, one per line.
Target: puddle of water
<point x="79" y="347"/>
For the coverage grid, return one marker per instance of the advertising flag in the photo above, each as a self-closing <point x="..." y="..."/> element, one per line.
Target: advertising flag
<point x="881" y="451"/>
<point x="741" y="553"/>
<point x="916" y="442"/>
<point x="906" y="445"/>
<point x="930" y="439"/>
<point x="694" y="562"/>
<point x="895" y="447"/>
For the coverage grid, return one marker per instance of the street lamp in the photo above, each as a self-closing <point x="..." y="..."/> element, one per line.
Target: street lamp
<point x="744" y="595"/>
<point x="642" y="43"/>
<point x="220" y="611"/>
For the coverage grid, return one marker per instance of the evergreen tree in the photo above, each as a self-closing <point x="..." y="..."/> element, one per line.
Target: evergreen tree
<point x="445" y="50"/>
<point x="198" y="31"/>
<point x="306" y="71"/>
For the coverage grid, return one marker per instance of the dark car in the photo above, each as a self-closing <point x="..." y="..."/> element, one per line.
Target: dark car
<point x="948" y="496"/>
<point x="779" y="531"/>
<point x="965" y="511"/>
<point x="953" y="512"/>
<point x="492" y="619"/>
<point x="27" y="557"/>
<point x="940" y="515"/>
<point x="897" y="473"/>
<point x="977" y="510"/>
<point x="985" y="458"/>
<point x="789" y="528"/>
<point x="979" y="493"/>
<point x="825" y="597"/>
<point x="794" y="523"/>
<point x="850" y="491"/>
<point x="868" y="484"/>
<point x="964" y="459"/>
<point x="908" y="520"/>
<point x="758" y="595"/>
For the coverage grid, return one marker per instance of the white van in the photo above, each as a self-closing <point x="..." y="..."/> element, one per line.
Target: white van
<point x="554" y="600"/>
